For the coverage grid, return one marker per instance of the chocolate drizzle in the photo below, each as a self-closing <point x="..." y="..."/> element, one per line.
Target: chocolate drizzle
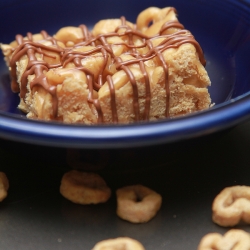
<point x="34" y="67"/>
<point x="101" y="47"/>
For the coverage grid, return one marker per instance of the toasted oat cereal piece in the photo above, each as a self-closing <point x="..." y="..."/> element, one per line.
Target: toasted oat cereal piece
<point x="234" y="239"/>
<point x="137" y="203"/>
<point x="121" y="243"/>
<point x="231" y="206"/>
<point x="4" y="186"/>
<point x="158" y="18"/>
<point x="109" y="26"/>
<point x="84" y="188"/>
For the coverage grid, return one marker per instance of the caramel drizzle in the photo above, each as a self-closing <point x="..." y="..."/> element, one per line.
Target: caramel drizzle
<point x="37" y="68"/>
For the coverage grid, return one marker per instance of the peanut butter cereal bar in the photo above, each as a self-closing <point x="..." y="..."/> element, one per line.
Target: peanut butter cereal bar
<point x="118" y="72"/>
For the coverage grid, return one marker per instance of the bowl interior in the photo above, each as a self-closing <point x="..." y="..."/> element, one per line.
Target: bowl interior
<point x="222" y="30"/>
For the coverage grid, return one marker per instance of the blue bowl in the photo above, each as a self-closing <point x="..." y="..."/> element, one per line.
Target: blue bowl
<point x="222" y="29"/>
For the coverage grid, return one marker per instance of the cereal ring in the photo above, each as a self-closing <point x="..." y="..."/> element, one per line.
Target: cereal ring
<point x="123" y="243"/>
<point x="84" y="188"/>
<point x="234" y="239"/>
<point x="150" y="20"/>
<point x="231" y="206"/>
<point x="146" y="17"/>
<point x="4" y="186"/>
<point x="72" y="34"/>
<point x="137" y="203"/>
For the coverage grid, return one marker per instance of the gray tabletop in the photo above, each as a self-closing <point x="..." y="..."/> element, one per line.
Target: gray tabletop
<point x="188" y="175"/>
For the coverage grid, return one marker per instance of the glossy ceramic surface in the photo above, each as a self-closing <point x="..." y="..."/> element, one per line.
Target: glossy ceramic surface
<point x="223" y="30"/>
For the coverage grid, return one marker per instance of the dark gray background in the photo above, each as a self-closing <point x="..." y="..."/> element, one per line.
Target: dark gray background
<point x="188" y="175"/>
